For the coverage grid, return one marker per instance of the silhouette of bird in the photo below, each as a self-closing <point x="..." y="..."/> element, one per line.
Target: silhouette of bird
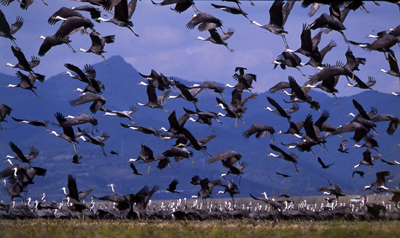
<point x="283" y="175"/>
<point x="288" y="157"/>
<point x="98" y="44"/>
<point x="322" y="163"/>
<point x="172" y="186"/>
<point x="342" y="147"/>
<point x="361" y="173"/>
<point x="76" y="158"/>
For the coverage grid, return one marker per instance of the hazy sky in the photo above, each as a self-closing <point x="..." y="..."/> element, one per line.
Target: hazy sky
<point x="166" y="45"/>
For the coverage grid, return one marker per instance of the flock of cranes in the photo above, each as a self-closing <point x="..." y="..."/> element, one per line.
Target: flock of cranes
<point x="187" y="145"/>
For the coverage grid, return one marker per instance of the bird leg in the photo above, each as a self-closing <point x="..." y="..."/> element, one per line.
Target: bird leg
<point x="76" y="151"/>
<point x="166" y="111"/>
<point x="148" y="170"/>
<point x="35" y="93"/>
<point x="192" y="161"/>
<point x="169" y="166"/>
<point x="133" y="32"/>
<point x="211" y="128"/>
<point x="104" y="59"/>
<point x="300" y="71"/>
<point x="45" y="3"/>
<point x="220" y="95"/>
<point x="286" y="44"/>
<point x="230" y="49"/>
<point x="70" y="47"/>
<point x="104" y="153"/>
<point x="335" y="97"/>
<point x="297" y="169"/>
<point x="344" y="37"/>
<point x="376" y="133"/>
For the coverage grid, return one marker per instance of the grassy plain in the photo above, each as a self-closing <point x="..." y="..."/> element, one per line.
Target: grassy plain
<point x="220" y="229"/>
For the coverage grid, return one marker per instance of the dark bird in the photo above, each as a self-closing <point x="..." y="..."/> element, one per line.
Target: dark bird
<point x="333" y="190"/>
<point x="232" y="10"/>
<point x="361" y="173"/>
<point x="146" y="155"/>
<point x="80" y="120"/>
<point x="367" y="160"/>
<point x="20" y="156"/>
<point x="283" y="175"/>
<point x="4" y="111"/>
<point x="143" y="129"/>
<point x="230" y="157"/>
<point x="329" y="22"/>
<point x="114" y="153"/>
<point x="393" y="124"/>
<point x="289" y="59"/>
<point x="76" y="158"/>
<point x="121" y="114"/>
<point x="134" y="169"/>
<point x="96" y="140"/>
<point x="342" y="147"/>
<point x="278" y="15"/>
<point x="380" y="181"/>
<point x="7" y="30"/>
<point x="33" y="122"/>
<point x="89" y="77"/>
<point x="172" y="186"/>
<point x="279" y="110"/>
<point x="206" y="21"/>
<point x="68" y="133"/>
<point x="277" y="206"/>
<point x="218" y="39"/>
<point x="51" y="41"/>
<point x="179" y="154"/>
<point x="394" y="67"/>
<point x="153" y="101"/>
<point x="71" y="25"/>
<point x="123" y="12"/>
<point x="95" y="12"/>
<point x="260" y="130"/>
<point x="23" y="63"/>
<point x="98" y="101"/>
<point x="393" y="162"/>
<point x="181" y="5"/>
<point x="210" y="85"/>
<point x="63" y="13"/>
<point x="196" y="180"/>
<point x="98" y="44"/>
<point x="322" y="163"/>
<point x="27" y="82"/>
<point x="288" y="157"/>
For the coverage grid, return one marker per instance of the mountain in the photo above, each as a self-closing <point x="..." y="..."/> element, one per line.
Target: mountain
<point x="122" y="92"/>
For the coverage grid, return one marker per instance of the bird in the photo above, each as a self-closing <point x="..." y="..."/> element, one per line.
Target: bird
<point x="278" y="16"/>
<point x="230" y="157"/>
<point x="146" y="155"/>
<point x="7" y="30"/>
<point x="76" y="158"/>
<point x="153" y="101"/>
<point x="329" y="22"/>
<point x="181" y="5"/>
<point x="260" y="130"/>
<point x="121" y="114"/>
<point x="206" y="21"/>
<point x="333" y="190"/>
<point x="73" y="197"/>
<point x="361" y="173"/>
<point x="393" y="124"/>
<point x="232" y="10"/>
<point x="288" y="157"/>
<point x="179" y="154"/>
<point x="97" y="140"/>
<point x="283" y="175"/>
<point x="279" y="110"/>
<point x="23" y="63"/>
<point x="20" y="156"/>
<point x="68" y="132"/>
<point x="80" y="120"/>
<point x="143" y="129"/>
<point x="4" y="111"/>
<point x="322" y="164"/>
<point x="89" y="77"/>
<point x="210" y="85"/>
<point x="114" y="153"/>
<point x="218" y="39"/>
<point x="134" y="170"/>
<point x="123" y="12"/>
<point x="98" y="101"/>
<point x="27" y="82"/>
<point x="94" y="11"/>
<point x="71" y="25"/>
<point x="342" y="147"/>
<point x="203" y="117"/>
<point x="63" y="13"/>
<point x="277" y="206"/>
<point x="367" y="160"/>
<point x="98" y="44"/>
<point x="289" y="59"/>
<point x="394" y="67"/>
<point x="172" y="186"/>
<point x="380" y="181"/>
<point x="33" y="122"/>
<point x="393" y="162"/>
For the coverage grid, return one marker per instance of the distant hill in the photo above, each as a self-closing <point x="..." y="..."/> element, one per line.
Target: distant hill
<point x="123" y="92"/>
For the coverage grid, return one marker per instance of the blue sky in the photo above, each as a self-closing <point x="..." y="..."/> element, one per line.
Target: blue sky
<point x="166" y="45"/>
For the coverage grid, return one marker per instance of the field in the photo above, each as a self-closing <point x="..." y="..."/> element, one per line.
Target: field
<point x="245" y="228"/>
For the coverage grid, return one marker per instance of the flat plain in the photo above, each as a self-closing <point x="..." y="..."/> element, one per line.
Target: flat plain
<point x="227" y="228"/>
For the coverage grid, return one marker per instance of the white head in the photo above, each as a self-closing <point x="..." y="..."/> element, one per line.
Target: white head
<point x="41" y="37"/>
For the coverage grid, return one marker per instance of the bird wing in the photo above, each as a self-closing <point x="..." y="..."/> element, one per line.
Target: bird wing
<point x="82" y="76"/>
<point x="321" y="163"/>
<point x="133" y="168"/>
<point x="277" y="106"/>
<point x="18" y="152"/>
<point x="360" y="109"/>
<point x="72" y="188"/>
<point x="275" y="14"/>
<point x="131" y="8"/>
<point x="17" y="25"/>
